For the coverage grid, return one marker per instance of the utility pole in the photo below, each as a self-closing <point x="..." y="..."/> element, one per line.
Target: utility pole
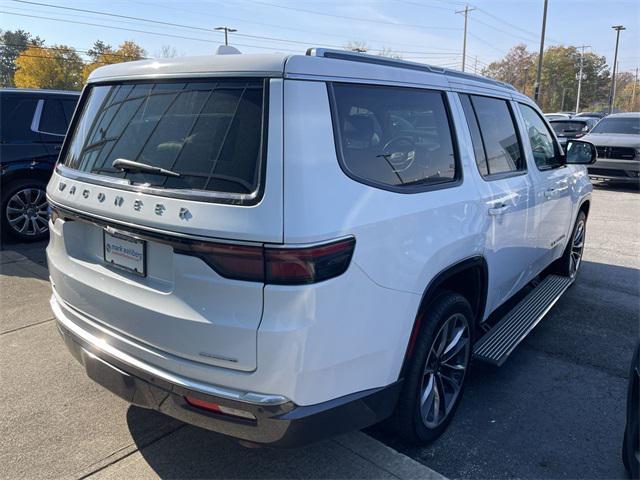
<point x="475" y="66"/>
<point x="226" y="33"/>
<point x="633" y="92"/>
<point x="564" y="90"/>
<point x="612" y="93"/>
<point x="536" y="91"/>
<point x="582" y="47"/>
<point x="526" y="76"/>
<point x="465" y="12"/>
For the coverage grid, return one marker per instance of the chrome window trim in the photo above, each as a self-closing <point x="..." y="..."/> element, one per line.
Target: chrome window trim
<point x="182" y="194"/>
<point x="37" y="117"/>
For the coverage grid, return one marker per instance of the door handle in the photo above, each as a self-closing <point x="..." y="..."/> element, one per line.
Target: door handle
<point x="549" y="193"/>
<point x="498" y="209"/>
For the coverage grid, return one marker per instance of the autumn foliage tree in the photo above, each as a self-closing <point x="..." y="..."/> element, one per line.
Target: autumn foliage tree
<point x="58" y="67"/>
<point x="102" y="54"/>
<point x="559" y="79"/>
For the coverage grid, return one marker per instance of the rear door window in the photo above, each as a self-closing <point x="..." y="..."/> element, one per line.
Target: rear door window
<point x="497" y="130"/>
<point x="209" y="132"/>
<point x="394" y="137"/>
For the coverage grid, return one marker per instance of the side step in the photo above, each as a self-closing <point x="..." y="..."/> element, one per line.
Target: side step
<point x="498" y="343"/>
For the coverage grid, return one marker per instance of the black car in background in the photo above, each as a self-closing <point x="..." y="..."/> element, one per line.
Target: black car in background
<point x="575" y="127"/>
<point x="33" y="124"/>
<point x="630" y="446"/>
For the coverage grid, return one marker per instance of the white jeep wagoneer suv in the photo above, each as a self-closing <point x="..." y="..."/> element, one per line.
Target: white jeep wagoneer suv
<point x="282" y="248"/>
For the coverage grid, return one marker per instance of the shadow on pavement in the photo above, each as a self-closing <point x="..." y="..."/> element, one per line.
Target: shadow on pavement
<point x="191" y="452"/>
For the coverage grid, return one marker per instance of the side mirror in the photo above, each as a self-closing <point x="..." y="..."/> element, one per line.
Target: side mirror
<point x="579" y="152"/>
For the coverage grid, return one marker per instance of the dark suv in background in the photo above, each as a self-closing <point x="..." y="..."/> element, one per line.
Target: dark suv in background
<point x="33" y="124"/>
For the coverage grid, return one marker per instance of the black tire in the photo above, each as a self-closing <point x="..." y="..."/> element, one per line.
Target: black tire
<point x="566" y="265"/>
<point x="21" y="190"/>
<point x="408" y="420"/>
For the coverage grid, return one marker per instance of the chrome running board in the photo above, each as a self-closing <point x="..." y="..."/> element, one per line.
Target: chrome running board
<point x="498" y="343"/>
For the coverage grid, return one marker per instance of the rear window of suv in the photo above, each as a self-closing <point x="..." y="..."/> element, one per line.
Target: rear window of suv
<point x="210" y="132"/>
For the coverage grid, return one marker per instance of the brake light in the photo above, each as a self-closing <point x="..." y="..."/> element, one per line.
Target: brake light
<point x="299" y="266"/>
<point x="281" y="266"/>
<point x="238" y="262"/>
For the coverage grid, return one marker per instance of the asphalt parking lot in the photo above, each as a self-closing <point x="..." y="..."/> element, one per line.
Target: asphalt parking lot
<point x="554" y="410"/>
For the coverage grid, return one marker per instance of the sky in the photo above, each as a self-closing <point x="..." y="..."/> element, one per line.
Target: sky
<point x="427" y="31"/>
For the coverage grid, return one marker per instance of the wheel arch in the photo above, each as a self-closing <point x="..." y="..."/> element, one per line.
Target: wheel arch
<point x="25" y="171"/>
<point x="468" y="277"/>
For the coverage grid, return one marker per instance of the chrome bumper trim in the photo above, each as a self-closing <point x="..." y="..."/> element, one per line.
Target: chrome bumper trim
<point x="208" y="389"/>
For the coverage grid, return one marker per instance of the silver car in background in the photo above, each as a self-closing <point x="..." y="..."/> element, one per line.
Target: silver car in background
<point x="617" y="140"/>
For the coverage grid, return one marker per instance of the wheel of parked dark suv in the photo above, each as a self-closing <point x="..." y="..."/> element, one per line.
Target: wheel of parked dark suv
<point x="24" y="210"/>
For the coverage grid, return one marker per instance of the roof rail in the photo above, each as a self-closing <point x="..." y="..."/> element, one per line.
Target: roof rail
<point x="395" y="62"/>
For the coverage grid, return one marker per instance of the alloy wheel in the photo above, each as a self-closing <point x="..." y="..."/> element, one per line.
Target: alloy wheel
<point x="27" y="212"/>
<point x="445" y="370"/>
<point x="577" y="246"/>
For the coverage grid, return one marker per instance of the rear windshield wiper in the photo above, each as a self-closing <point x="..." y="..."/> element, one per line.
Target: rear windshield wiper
<point x="131" y="166"/>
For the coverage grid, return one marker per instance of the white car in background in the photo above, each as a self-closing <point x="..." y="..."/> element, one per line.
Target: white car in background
<point x="617" y="140"/>
<point x="282" y="248"/>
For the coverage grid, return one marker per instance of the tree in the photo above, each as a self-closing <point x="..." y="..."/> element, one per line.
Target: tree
<point x="357" y="46"/>
<point x="387" y="52"/>
<point x="515" y="68"/>
<point x="625" y="100"/>
<point x="559" y="79"/>
<point x="57" y="67"/>
<point x="103" y="54"/>
<point x="12" y="44"/>
<point x="167" y="51"/>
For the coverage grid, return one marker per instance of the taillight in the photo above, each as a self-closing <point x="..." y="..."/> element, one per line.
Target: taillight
<point x="298" y="266"/>
<point x="281" y="266"/>
<point x="239" y="262"/>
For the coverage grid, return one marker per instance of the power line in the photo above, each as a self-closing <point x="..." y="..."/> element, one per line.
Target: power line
<point x="140" y="31"/>
<point x="66" y="47"/>
<point x="284" y="27"/>
<point x="208" y="30"/>
<point x="192" y="27"/>
<point x="383" y="22"/>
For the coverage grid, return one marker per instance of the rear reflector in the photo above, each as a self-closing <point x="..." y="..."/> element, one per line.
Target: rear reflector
<point x="280" y="266"/>
<point x="214" y="407"/>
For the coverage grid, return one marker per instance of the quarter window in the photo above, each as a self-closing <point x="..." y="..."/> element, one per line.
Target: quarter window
<point x="544" y="150"/>
<point x="393" y="137"/>
<point x="53" y="120"/>
<point x="501" y="146"/>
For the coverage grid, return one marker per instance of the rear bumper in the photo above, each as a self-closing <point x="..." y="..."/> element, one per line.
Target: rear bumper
<point x="278" y="421"/>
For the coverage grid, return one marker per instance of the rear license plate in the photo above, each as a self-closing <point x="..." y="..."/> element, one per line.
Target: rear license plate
<point x="125" y="252"/>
